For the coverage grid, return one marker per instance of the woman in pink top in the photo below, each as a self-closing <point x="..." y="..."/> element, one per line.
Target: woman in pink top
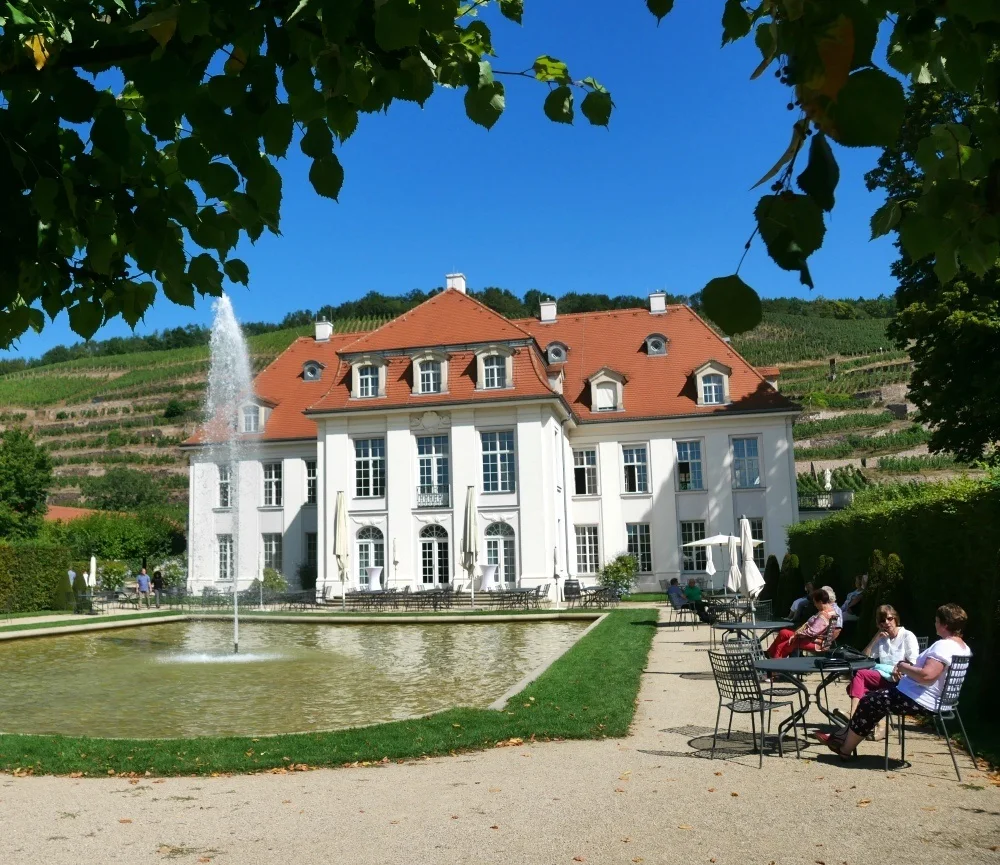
<point x="919" y="687"/>
<point x="810" y="634"/>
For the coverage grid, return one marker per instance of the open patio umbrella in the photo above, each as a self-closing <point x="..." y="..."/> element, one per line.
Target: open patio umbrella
<point x="470" y="541"/>
<point x="753" y="582"/>
<point x="341" y="548"/>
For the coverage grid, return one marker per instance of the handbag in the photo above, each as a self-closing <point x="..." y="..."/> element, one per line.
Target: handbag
<point x="848" y="653"/>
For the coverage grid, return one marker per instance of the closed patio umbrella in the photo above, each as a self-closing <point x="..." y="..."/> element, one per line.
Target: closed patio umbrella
<point x="341" y="548"/>
<point x="735" y="579"/>
<point x="753" y="581"/>
<point x="470" y="541"/>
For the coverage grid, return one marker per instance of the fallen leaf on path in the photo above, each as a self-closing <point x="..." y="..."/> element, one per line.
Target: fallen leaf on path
<point x="928" y="809"/>
<point x="124" y="820"/>
<point x="494" y="827"/>
<point x="454" y="816"/>
<point x="638" y="859"/>
<point x="393" y="822"/>
<point x="864" y="803"/>
<point x="494" y="789"/>
<point x="158" y="781"/>
<point x="718" y="773"/>
<point x="685" y="826"/>
<point x="76" y="774"/>
<point x="579" y="859"/>
<point x="286" y="801"/>
<point x="619" y="790"/>
<point x="734" y="795"/>
<point x="204" y="858"/>
<point x="625" y="775"/>
<point x="711" y="789"/>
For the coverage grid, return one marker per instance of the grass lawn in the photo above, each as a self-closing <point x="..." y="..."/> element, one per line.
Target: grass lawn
<point x="589" y="693"/>
<point x="88" y="620"/>
<point x="647" y="597"/>
<point x="5" y="616"/>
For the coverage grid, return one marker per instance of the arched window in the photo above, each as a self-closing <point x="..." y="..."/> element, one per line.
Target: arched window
<point x="712" y="389"/>
<point x="494" y="371"/>
<point x="368" y="380"/>
<point x="430" y="376"/>
<point x="435" y="565"/>
<point x="500" y="551"/>
<point x="371" y="553"/>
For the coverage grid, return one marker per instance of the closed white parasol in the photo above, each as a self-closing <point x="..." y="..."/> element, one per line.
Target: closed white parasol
<point x="470" y="541"/>
<point x="341" y="545"/>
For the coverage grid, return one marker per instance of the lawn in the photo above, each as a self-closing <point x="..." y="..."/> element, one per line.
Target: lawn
<point x="588" y="693"/>
<point x="86" y="620"/>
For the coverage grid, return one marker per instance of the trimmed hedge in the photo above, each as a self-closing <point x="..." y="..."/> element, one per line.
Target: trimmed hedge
<point x="30" y="575"/>
<point x="126" y="537"/>
<point x="947" y="539"/>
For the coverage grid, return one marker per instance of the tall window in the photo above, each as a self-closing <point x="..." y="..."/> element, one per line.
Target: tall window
<point x="636" y="476"/>
<point x="494" y="371"/>
<point x="225" y="544"/>
<point x="432" y="463"/>
<point x="312" y="550"/>
<point x="251" y="419"/>
<point x="272" y="551"/>
<point x="371" y="553"/>
<point x="640" y="545"/>
<point x="607" y="396"/>
<point x="689" y="466"/>
<point x="434" y="564"/>
<point x="500" y="552"/>
<point x="588" y="560"/>
<point x="712" y="389"/>
<point x="746" y="463"/>
<point x="757" y="533"/>
<point x="369" y="468"/>
<point x="585" y="472"/>
<point x="430" y="376"/>
<point x="368" y="380"/>
<point x="272" y="485"/>
<point x="693" y="558"/>
<point x="225" y="486"/>
<point x="310" y="482"/>
<point x="498" y="462"/>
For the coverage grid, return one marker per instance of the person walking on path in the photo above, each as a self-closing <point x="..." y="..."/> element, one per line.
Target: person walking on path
<point x="142" y="584"/>
<point x="157" y="587"/>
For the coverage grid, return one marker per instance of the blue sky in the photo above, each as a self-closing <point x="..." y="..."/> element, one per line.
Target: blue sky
<point x="661" y="200"/>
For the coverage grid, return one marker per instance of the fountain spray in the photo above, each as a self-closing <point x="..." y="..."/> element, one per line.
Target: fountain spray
<point x="230" y="388"/>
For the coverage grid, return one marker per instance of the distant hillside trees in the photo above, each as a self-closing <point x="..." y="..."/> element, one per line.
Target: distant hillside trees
<point x="122" y="489"/>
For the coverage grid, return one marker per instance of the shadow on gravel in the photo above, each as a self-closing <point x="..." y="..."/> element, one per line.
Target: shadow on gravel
<point x="698" y="676"/>
<point x="739" y="744"/>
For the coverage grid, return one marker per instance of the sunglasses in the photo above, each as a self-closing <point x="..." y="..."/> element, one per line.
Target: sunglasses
<point x="887" y="619"/>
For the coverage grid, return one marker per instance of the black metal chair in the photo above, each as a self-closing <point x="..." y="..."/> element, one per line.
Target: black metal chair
<point x="571" y="593"/>
<point x="738" y="683"/>
<point x="946" y="710"/>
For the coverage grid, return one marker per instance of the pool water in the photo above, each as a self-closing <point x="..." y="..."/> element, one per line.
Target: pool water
<point x="181" y="679"/>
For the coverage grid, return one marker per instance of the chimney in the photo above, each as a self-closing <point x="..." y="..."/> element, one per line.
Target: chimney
<point x="324" y="330"/>
<point x="657" y="303"/>
<point x="455" y="281"/>
<point x="547" y="311"/>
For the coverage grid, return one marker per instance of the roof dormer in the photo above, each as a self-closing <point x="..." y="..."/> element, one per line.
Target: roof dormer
<point x="712" y="382"/>
<point x="430" y="372"/>
<point x="312" y="370"/>
<point x="368" y="374"/>
<point x="607" y="390"/>
<point x="253" y="415"/>
<point x="656" y="345"/>
<point x="555" y="352"/>
<point x="494" y="367"/>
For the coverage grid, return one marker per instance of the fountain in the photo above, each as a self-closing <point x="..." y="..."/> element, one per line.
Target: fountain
<point x="230" y="385"/>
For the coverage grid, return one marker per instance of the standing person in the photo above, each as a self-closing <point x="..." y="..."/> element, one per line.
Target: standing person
<point x="72" y="576"/>
<point x="157" y="587"/>
<point x="142" y="584"/>
<point x="693" y="596"/>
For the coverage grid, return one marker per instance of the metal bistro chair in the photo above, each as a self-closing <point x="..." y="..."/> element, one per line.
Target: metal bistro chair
<point x="740" y="692"/>
<point x="922" y="643"/>
<point x="683" y="612"/>
<point x="946" y="710"/>
<point x="571" y="593"/>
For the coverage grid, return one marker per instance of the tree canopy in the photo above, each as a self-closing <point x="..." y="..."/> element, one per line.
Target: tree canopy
<point x="122" y="489"/>
<point x="138" y="139"/>
<point x="25" y="478"/>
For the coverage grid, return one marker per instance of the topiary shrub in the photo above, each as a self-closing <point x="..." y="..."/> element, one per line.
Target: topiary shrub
<point x="307" y="577"/>
<point x="80" y="589"/>
<point x="772" y="575"/>
<point x="274" y="581"/>
<point x="29" y="575"/>
<point x="62" y="597"/>
<point x="620" y="573"/>
<point x="826" y="573"/>
<point x="789" y="582"/>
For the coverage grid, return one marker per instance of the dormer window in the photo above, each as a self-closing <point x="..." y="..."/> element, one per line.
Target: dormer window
<point x="555" y="353"/>
<point x="251" y="419"/>
<point x="430" y="376"/>
<point x="712" y="383"/>
<point x="367" y="380"/>
<point x="494" y="372"/>
<point x="607" y="389"/>
<point x="312" y="370"/>
<point x="430" y="372"/>
<point x="656" y="344"/>
<point x="368" y="377"/>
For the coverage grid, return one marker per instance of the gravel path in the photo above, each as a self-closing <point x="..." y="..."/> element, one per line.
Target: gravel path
<point x="650" y="798"/>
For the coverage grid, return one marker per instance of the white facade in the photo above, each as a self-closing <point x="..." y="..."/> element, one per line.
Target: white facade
<point x="544" y="525"/>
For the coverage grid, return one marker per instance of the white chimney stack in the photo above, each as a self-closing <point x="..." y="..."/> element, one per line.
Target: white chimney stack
<point x="658" y="303"/>
<point x="455" y="281"/>
<point x="547" y="311"/>
<point x="324" y="330"/>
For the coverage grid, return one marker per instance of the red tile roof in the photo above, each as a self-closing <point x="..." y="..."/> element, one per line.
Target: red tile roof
<point x="656" y="386"/>
<point x="67" y="513"/>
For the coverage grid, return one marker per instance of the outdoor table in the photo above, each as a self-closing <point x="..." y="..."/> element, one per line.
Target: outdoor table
<point x="759" y="627"/>
<point x="793" y="669"/>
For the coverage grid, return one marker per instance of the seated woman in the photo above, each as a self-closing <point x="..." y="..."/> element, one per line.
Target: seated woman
<point x="919" y="686"/>
<point x="808" y="635"/>
<point x="852" y="603"/>
<point x="891" y="644"/>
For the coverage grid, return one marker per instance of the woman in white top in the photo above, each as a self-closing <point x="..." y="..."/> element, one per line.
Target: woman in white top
<point x="891" y="644"/>
<point x="919" y="687"/>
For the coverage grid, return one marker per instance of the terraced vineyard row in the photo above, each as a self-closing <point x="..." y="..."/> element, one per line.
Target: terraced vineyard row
<point x="783" y="338"/>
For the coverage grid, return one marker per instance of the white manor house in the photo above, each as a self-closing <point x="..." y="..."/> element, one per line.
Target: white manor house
<point x="584" y="436"/>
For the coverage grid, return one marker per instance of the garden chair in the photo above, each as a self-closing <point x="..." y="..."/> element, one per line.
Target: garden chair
<point x="682" y="612"/>
<point x="571" y="593"/>
<point x="946" y="710"/>
<point x="738" y="683"/>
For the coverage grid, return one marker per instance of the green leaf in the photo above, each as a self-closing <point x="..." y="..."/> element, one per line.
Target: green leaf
<point x="342" y="118"/>
<point x="178" y="289"/>
<point x="869" y="110"/>
<point x="975" y="11"/>
<point x="278" y="124"/>
<point x="945" y="261"/>
<point x="798" y="136"/>
<point x="438" y="15"/>
<point x="192" y="158"/>
<point x="659" y="7"/>
<point x="397" y="25"/>
<point x="76" y="99"/>
<point x="766" y="41"/>
<point x="318" y="141"/>
<point x="484" y="105"/>
<point x="512" y="9"/>
<point x="237" y="271"/>
<point x="559" y="105"/>
<point x="549" y="69"/>
<point x="596" y="107"/>
<point x="110" y="134"/>
<point x="791" y="227"/>
<point x="821" y="174"/>
<point x="736" y="21"/>
<point x="886" y="218"/>
<point x="920" y="234"/>
<point x="731" y="304"/>
<point x="135" y="300"/>
<point x="218" y="180"/>
<point x="979" y="256"/>
<point x="194" y="18"/>
<point x="43" y="197"/>
<point x="204" y="273"/>
<point x="85" y="318"/>
<point x="327" y="176"/>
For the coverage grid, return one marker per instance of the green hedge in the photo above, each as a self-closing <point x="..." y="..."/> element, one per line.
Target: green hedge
<point x="947" y="537"/>
<point x="125" y="537"/>
<point x="30" y="576"/>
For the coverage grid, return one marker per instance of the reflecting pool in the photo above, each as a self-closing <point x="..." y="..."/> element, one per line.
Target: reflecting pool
<point x="181" y="679"/>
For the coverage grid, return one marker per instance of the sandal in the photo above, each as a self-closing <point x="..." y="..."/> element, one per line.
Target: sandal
<point x="835" y="743"/>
